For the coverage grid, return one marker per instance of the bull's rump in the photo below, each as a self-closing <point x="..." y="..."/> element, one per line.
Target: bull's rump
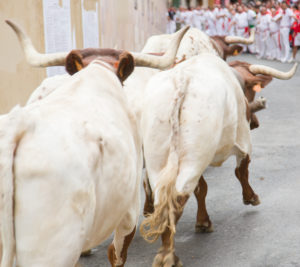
<point x="70" y="173"/>
<point x="208" y="115"/>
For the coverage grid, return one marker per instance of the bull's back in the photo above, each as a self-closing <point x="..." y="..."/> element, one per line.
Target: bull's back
<point x="75" y="168"/>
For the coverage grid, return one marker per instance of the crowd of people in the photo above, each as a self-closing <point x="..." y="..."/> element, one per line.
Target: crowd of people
<point x="276" y="25"/>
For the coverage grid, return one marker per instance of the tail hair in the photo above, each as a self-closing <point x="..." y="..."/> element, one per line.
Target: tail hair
<point x="164" y="215"/>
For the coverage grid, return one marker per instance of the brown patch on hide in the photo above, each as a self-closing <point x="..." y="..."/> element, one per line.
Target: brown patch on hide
<point x="121" y="61"/>
<point x="251" y="117"/>
<point x="242" y="173"/>
<point x="149" y="204"/>
<point x="249" y="78"/>
<point x="226" y="49"/>
<point x="203" y="223"/>
<point x="111" y="252"/>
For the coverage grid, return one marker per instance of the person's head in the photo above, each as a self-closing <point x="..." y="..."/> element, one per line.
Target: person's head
<point x="284" y="5"/>
<point x="273" y="11"/>
<point x="263" y="10"/>
<point x="239" y="9"/>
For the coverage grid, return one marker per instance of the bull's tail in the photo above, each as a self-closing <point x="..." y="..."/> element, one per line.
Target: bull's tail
<point x="10" y="135"/>
<point x="167" y="207"/>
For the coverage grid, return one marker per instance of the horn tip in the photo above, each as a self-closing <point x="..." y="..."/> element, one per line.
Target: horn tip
<point x="8" y="21"/>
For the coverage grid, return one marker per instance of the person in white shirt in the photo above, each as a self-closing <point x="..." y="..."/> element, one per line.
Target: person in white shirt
<point x="232" y="26"/>
<point x="241" y="21"/>
<point x="220" y="20"/>
<point x="210" y="22"/>
<point x="171" y="24"/>
<point x="189" y="16"/>
<point x="263" y="27"/>
<point x="198" y="17"/>
<point x="274" y="36"/>
<point x="285" y="19"/>
<point x="226" y="20"/>
<point x="252" y="24"/>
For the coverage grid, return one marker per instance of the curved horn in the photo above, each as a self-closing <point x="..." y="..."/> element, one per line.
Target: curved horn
<point x="33" y="57"/>
<point x="161" y="62"/>
<point x="240" y="40"/>
<point x="261" y="69"/>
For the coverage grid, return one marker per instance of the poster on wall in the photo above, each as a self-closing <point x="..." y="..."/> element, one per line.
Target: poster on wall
<point x="57" y="30"/>
<point x="90" y="24"/>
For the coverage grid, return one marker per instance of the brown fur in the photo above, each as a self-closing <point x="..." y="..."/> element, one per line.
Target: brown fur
<point x="149" y="205"/>
<point x="242" y="174"/>
<point x="203" y="223"/>
<point x="111" y="252"/>
<point x="251" y="117"/>
<point x="227" y="49"/>
<point x="250" y="79"/>
<point x="122" y="61"/>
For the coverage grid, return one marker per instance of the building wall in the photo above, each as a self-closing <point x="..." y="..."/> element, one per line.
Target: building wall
<point x="122" y="24"/>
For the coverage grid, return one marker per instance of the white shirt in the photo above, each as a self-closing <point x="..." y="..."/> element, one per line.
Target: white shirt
<point x="251" y="17"/>
<point x="241" y="20"/>
<point x="286" y="18"/>
<point x="263" y="22"/>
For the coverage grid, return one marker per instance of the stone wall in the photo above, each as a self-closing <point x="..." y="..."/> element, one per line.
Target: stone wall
<point x="122" y="24"/>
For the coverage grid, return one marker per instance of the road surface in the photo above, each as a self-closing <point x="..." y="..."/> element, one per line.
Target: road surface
<point x="261" y="236"/>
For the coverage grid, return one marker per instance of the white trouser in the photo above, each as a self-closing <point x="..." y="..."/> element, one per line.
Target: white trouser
<point x="252" y="47"/>
<point x="263" y="37"/>
<point x="220" y="29"/>
<point x="274" y="45"/>
<point x="256" y="41"/>
<point x="285" y="45"/>
<point x="241" y="32"/>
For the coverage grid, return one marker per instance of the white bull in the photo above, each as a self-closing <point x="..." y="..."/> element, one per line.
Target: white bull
<point x="73" y="158"/>
<point x="194" y="115"/>
<point x="69" y="160"/>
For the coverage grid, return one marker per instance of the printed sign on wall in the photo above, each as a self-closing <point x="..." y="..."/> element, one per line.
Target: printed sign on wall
<point x="57" y="30"/>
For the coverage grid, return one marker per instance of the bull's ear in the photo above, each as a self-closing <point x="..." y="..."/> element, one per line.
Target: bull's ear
<point x="234" y="50"/>
<point x="74" y="62"/>
<point x="125" y="66"/>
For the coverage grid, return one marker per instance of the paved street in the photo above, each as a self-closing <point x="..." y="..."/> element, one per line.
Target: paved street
<point x="265" y="235"/>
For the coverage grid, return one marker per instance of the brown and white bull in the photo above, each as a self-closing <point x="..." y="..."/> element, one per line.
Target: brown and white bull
<point x="71" y="158"/>
<point x="195" y="42"/>
<point x="194" y="115"/>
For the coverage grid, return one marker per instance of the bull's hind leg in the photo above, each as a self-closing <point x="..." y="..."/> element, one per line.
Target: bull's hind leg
<point x="242" y="173"/>
<point x="117" y="251"/>
<point x="149" y="204"/>
<point x="203" y="224"/>
<point x="166" y="255"/>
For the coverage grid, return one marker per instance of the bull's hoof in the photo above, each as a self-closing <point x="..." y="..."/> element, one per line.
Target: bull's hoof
<point x="254" y="201"/>
<point x="166" y="260"/>
<point x="205" y="227"/>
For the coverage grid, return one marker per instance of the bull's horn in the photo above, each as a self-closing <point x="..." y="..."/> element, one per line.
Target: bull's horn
<point x="261" y="69"/>
<point x="241" y="40"/>
<point x="33" y="57"/>
<point x="161" y="62"/>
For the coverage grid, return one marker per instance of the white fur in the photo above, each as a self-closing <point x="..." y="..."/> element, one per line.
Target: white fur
<point x="212" y="120"/>
<point x="77" y="170"/>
